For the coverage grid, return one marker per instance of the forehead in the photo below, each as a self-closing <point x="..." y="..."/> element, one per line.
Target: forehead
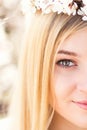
<point x="77" y="42"/>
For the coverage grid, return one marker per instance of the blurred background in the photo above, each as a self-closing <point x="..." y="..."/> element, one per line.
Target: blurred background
<point x="12" y="28"/>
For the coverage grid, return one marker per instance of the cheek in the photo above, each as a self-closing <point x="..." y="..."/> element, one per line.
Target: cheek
<point x="65" y="83"/>
<point x="64" y="86"/>
<point x="64" y="89"/>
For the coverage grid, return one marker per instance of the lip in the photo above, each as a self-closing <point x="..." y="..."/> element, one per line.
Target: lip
<point x="81" y="104"/>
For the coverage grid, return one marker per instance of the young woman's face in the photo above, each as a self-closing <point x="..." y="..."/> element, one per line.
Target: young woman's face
<point x="70" y="78"/>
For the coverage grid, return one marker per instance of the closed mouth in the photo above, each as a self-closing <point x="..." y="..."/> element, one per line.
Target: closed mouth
<point x="81" y="104"/>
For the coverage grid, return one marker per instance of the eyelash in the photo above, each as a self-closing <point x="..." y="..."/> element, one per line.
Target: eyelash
<point x="66" y="63"/>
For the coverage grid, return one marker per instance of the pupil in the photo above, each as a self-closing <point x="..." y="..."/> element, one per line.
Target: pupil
<point x="66" y="63"/>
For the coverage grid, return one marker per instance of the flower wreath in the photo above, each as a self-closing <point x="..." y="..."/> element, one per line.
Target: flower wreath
<point x="70" y="7"/>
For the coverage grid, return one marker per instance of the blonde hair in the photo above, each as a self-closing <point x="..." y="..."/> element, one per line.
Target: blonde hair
<point x="30" y="105"/>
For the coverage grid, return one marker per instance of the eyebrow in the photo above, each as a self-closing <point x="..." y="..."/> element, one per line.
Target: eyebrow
<point x="65" y="52"/>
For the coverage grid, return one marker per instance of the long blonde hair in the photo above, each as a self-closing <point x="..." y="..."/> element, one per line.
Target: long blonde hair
<point x="30" y="105"/>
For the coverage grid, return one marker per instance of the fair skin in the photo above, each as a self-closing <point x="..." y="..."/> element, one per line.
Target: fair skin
<point x="70" y="78"/>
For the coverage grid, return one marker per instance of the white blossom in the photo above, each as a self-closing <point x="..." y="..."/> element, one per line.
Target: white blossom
<point x="84" y="9"/>
<point x="85" y="2"/>
<point x="84" y="18"/>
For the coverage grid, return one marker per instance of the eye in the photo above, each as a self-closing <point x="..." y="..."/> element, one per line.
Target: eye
<point x="65" y="63"/>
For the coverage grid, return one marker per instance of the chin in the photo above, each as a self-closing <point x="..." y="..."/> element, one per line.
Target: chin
<point x="81" y="124"/>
